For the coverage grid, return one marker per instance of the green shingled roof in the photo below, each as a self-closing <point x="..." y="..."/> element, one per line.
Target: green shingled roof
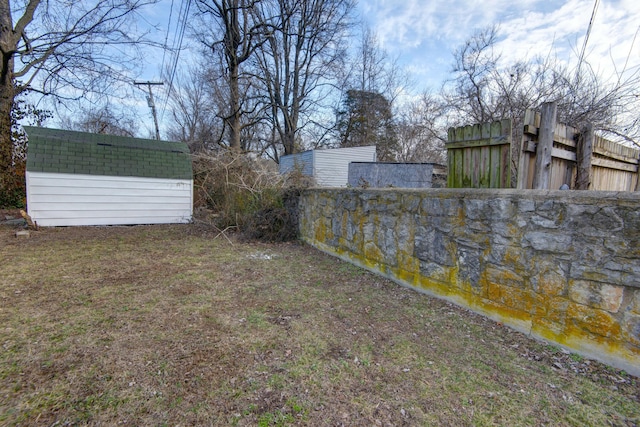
<point x="64" y="151"/>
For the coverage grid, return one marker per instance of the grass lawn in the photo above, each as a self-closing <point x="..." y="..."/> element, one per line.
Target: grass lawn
<point x="167" y="325"/>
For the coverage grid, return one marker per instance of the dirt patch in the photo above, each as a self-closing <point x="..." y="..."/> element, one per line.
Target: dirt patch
<point x="168" y="325"/>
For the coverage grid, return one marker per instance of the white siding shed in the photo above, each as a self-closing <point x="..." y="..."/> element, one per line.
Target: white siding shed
<point x="77" y="178"/>
<point x="329" y="168"/>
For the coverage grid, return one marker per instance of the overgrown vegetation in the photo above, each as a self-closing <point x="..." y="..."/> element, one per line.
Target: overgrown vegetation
<point x="247" y="195"/>
<point x="165" y="325"/>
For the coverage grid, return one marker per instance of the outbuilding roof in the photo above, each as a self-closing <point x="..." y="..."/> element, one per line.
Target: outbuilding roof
<point x="71" y="152"/>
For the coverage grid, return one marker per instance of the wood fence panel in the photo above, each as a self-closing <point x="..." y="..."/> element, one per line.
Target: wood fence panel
<point x="606" y="165"/>
<point x="614" y="167"/>
<point x="478" y="155"/>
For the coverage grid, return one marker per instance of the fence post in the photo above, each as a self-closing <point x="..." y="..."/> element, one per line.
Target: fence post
<point x="542" y="176"/>
<point x="584" y="153"/>
<point x="638" y="175"/>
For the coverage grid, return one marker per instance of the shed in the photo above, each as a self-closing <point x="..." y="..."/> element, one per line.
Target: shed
<point x="79" y="178"/>
<point x="329" y="168"/>
<point x="400" y="175"/>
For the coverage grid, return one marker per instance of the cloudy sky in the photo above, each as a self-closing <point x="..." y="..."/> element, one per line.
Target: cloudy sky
<point x="423" y="33"/>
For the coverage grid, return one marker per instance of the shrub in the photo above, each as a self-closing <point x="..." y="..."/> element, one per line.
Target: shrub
<point x="13" y="190"/>
<point x="248" y="195"/>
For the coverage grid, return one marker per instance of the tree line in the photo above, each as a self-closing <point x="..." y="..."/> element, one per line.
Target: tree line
<point x="276" y="77"/>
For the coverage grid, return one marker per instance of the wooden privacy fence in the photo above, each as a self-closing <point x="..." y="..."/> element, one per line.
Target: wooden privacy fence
<point x="478" y="156"/>
<point x="551" y="154"/>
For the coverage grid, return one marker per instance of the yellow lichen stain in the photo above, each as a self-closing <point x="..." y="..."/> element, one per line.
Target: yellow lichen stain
<point x="581" y="318"/>
<point x="540" y="304"/>
<point x="552" y="284"/>
<point x="460" y="218"/>
<point x="514" y="230"/>
<point x="408" y="277"/>
<point x="503" y="276"/>
<point x="320" y="234"/>
<point x="372" y="252"/>
<point x="345" y="221"/>
<point x="407" y="262"/>
<point x="493" y="292"/>
<point x="513" y="258"/>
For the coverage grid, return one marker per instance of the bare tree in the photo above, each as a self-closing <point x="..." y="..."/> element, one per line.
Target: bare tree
<point x="60" y="47"/>
<point x="237" y="35"/>
<point x="300" y="61"/>
<point x="420" y="132"/>
<point x="194" y="119"/>
<point x="103" y="120"/>
<point x="373" y="70"/>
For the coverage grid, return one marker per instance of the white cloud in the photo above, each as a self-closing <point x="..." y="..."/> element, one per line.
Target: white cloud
<point x="424" y="33"/>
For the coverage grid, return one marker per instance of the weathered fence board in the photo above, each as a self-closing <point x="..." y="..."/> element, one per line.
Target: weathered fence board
<point x="551" y="155"/>
<point x="478" y="155"/>
<point x="581" y="160"/>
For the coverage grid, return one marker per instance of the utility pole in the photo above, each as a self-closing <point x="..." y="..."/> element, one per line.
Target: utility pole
<point x="151" y="103"/>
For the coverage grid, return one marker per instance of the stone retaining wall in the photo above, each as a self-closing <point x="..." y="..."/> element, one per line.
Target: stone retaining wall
<point x="563" y="266"/>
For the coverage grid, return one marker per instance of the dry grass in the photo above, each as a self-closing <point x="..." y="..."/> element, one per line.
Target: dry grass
<point x="164" y="325"/>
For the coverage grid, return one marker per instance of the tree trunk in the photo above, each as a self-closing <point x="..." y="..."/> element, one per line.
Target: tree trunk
<point x="6" y="143"/>
<point x="7" y="96"/>
<point x="289" y="143"/>
<point x="234" y="107"/>
<point x="232" y="40"/>
<point x="7" y="92"/>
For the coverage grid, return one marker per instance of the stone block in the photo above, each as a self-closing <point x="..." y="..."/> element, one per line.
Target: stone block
<point x="405" y="231"/>
<point x="627" y="245"/>
<point x="631" y="328"/>
<point x="372" y="252"/>
<point x="438" y="206"/>
<point x="502" y="209"/>
<point x="469" y="265"/>
<point x="503" y="277"/>
<point x="477" y="209"/>
<point x="544" y="222"/>
<point x="515" y="298"/>
<point x="526" y="205"/>
<point x="433" y="246"/>
<point x="550" y="283"/>
<point x="506" y="229"/>
<point x="593" y="320"/>
<point x="549" y="276"/>
<point x="548" y="241"/>
<point x="557" y="310"/>
<point x="410" y="203"/>
<point x="601" y="223"/>
<point x="634" y="305"/>
<point x="368" y="232"/>
<point x="434" y="271"/>
<point x="597" y="295"/>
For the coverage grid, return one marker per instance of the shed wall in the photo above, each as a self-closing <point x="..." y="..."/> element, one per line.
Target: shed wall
<point x="331" y="167"/>
<point x="69" y="199"/>
<point x="304" y="161"/>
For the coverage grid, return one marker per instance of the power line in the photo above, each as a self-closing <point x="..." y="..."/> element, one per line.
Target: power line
<point x="586" y="38"/>
<point x="164" y="52"/>
<point x="177" y="55"/>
